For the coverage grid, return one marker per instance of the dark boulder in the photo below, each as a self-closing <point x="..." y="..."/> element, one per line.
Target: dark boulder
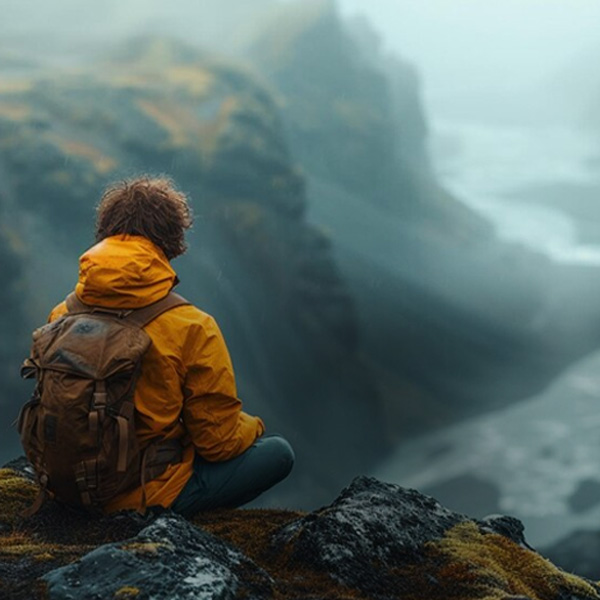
<point x="168" y="559"/>
<point x="370" y="523"/>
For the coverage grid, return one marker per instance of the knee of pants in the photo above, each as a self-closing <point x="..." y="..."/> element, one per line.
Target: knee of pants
<point x="281" y="455"/>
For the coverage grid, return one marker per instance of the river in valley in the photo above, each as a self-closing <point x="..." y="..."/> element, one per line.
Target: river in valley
<point x="538" y="459"/>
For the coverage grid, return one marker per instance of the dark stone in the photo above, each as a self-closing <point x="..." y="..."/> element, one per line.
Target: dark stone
<point x="371" y="522"/>
<point x="21" y="466"/>
<point x="507" y="526"/>
<point x="168" y="559"/>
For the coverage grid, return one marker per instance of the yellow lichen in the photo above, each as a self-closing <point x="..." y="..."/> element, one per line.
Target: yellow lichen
<point x="196" y="80"/>
<point x="43" y="556"/>
<point x="101" y="163"/>
<point x="40" y="550"/>
<point x="184" y="128"/>
<point x="16" y="494"/>
<point x="491" y="566"/>
<point x="15" y="86"/>
<point x="14" y="111"/>
<point x="147" y="548"/>
<point x="126" y="592"/>
<point x="62" y="177"/>
<point x="178" y="121"/>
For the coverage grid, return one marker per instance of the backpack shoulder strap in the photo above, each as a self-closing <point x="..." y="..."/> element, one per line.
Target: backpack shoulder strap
<point x="142" y="316"/>
<point x="77" y="307"/>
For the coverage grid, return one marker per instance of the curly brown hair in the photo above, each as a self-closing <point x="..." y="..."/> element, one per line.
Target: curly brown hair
<point x="147" y="206"/>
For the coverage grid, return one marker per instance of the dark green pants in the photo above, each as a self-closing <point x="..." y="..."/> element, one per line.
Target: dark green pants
<point x="234" y="482"/>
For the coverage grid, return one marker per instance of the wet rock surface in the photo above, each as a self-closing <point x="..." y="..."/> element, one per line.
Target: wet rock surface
<point x="168" y="559"/>
<point x="369" y="523"/>
<point x="375" y="541"/>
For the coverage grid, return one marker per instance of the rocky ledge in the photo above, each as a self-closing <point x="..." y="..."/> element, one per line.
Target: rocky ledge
<point x="375" y="541"/>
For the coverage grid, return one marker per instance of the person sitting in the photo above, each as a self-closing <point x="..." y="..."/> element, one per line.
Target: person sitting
<point x="186" y="389"/>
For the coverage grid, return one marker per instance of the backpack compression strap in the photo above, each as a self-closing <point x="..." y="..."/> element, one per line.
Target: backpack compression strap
<point x="138" y="316"/>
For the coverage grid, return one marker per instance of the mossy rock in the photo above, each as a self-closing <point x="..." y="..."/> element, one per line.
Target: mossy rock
<point x="375" y="541"/>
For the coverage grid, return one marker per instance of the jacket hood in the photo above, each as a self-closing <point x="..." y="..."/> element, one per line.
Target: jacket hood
<point x="124" y="271"/>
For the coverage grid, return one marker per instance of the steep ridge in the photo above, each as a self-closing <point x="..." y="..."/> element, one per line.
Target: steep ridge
<point x="454" y="320"/>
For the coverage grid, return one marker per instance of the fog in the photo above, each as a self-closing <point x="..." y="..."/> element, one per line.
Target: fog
<point x="487" y="51"/>
<point x="434" y="258"/>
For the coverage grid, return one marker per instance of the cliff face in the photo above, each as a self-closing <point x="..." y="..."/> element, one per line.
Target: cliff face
<point x="255" y="263"/>
<point x="354" y="114"/>
<point x="335" y="104"/>
<point x="375" y="541"/>
<point x="450" y="317"/>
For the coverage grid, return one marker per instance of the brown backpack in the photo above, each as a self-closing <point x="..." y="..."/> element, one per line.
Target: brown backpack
<point x="78" y="428"/>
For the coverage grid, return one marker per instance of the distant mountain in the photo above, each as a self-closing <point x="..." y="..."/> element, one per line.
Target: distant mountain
<point x="449" y="315"/>
<point x="575" y="88"/>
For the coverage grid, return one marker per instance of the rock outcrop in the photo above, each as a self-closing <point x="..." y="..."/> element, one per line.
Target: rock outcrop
<point x="170" y="558"/>
<point x="375" y="541"/>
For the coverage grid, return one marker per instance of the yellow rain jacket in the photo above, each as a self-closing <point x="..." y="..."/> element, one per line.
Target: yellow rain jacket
<point x="186" y="383"/>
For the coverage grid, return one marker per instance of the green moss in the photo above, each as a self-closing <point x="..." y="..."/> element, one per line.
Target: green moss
<point x="468" y="564"/>
<point x="465" y="564"/>
<point x="16" y="494"/>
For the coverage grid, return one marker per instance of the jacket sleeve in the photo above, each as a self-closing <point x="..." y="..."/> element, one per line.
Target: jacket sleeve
<point x="212" y="412"/>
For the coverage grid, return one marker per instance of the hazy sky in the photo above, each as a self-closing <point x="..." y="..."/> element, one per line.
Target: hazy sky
<point x="484" y="44"/>
<point x="463" y="49"/>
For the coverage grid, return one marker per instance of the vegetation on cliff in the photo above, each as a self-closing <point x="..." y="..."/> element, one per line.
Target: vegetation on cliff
<point x="375" y="541"/>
